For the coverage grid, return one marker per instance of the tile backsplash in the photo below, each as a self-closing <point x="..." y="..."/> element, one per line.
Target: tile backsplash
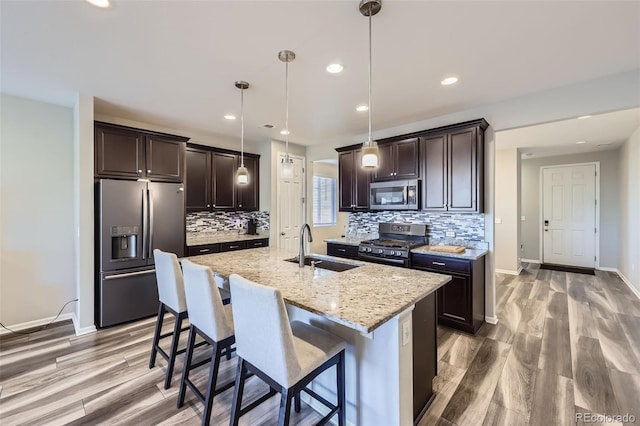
<point x="225" y="221"/>
<point x="468" y="227"/>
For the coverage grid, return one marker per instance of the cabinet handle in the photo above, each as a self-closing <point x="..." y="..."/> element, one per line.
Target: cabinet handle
<point x="148" y="170"/>
<point x="139" y="171"/>
<point x="257" y="244"/>
<point x="204" y="250"/>
<point x="234" y="246"/>
<point x="439" y="263"/>
<point x="342" y="250"/>
<point x="454" y="316"/>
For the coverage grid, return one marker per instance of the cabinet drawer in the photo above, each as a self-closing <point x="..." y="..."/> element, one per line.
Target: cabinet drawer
<point x="342" y="250"/>
<point x="204" y="249"/>
<point x="238" y="245"/>
<point x="441" y="264"/>
<point x="258" y="243"/>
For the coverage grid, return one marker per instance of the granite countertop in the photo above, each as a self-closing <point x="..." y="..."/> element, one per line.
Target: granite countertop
<point x="348" y="241"/>
<point x="213" y="237"/>
<point x="468" y="254"/>
<point x="362" y="298"/>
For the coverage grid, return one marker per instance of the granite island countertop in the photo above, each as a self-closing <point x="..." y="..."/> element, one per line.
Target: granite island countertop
<point x="361" y="298"/>
<point x="468" y="254"/>
<point x="214" y="237"/>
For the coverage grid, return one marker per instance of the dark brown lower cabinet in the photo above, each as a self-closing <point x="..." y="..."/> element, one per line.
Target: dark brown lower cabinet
<point x="425" y="356"/>
<point x="346" y="251"/>
<point x="461" y="300"/>
<point x="222" y="247"/>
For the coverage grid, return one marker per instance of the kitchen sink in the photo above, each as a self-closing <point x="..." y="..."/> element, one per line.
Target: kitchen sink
<point x="324" y="264"/>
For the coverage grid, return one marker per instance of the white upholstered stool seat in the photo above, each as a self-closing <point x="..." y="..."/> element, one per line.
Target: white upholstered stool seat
<point x="213" y="322"/>
<point x="287" y="356"/>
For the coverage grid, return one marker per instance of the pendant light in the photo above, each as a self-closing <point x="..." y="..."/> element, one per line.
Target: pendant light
<point x="286" y="56"/>
<point x="370" y="147"/>
<point x="242" y="176"/>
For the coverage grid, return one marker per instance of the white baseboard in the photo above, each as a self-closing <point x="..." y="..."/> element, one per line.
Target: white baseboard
<point x="85" y="330"/>
<point x="509" y="272"/>
<point x="491" y="320"/>
<point x="628" y="283"/>
<point x="531" y="260"/>
<point x="605" y="268"/>
<point x="38" y="323"/>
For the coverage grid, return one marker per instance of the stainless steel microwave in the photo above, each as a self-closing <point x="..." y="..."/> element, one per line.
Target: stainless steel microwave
<point x="394" y="195"/>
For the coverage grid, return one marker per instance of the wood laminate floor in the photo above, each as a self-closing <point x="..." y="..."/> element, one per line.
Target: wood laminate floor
<point x="565" y="344"/>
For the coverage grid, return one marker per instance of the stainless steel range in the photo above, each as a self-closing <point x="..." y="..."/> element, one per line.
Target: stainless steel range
<point x="394" y="243"/>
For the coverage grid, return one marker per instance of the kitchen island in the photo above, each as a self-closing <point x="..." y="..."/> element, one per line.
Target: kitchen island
<point x="371" y="307"/>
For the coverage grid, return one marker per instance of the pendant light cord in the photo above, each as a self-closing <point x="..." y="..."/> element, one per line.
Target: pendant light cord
<point x="369" y="142"/>
<point x="241" y="127"/>
<point x="286" y="110"/>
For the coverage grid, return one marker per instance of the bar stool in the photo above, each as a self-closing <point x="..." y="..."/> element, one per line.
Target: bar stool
<point x="172" y="299"/>
<point x="287" y="356"/>
<point x="213" y="321"/>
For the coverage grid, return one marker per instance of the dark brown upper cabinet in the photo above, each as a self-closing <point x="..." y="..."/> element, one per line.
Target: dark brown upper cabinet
<point x="211" y="180"/>
<point x="453" y="176"/>
<point x="398" y="160"/>
<point x="125" y="152"/>
<point x="198" y="180"/>
<point x="248" y="195"/>
<point x="353" y="181"/>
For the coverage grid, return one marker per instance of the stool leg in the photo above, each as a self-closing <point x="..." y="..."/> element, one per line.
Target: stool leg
<point x="211" y="388"/>
<point x="296" y="402"/>
<point x="156" y="336"/>
<point x="237" y="394"/>
<point x="285" y="407"/>
<point x="187" y="364"/>
<point x="342" y="413"/>
<point x="174" y="348"/>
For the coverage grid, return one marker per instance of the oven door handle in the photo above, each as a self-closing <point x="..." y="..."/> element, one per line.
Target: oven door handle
<point x="378" y="259"/>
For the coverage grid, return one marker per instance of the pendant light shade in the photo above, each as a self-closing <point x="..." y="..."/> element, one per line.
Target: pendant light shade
<point x="370" y="152"/>
<point x="286" y="165"/>
<point x="242" y="176"/>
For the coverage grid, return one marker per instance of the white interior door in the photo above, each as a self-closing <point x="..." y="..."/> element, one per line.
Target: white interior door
<point x="291" y="205"/>
<point x="569" y="215"/>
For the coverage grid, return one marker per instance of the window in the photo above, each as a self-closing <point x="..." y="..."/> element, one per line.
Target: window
<point x="324" y="201"/>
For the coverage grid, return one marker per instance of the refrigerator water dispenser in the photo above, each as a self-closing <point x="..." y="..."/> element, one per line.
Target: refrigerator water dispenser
<point x="124" y="242"/>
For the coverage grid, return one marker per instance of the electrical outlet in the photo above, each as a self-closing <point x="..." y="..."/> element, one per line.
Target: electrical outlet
<point x="449" y="234"/>
<point x="406" y="332"/>
<point x="522" y="218"/>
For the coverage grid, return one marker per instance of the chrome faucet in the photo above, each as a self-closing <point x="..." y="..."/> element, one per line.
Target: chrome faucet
<point x="301" y="251"/>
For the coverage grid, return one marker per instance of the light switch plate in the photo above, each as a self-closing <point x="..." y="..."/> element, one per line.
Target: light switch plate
<point x="449" y="234"/>
<point x="522" y="218"/>
<point x="498" y="220"/>
<point x="406" y="332"/>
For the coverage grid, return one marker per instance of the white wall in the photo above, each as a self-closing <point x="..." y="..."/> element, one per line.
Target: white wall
<point x="37" y="273"/>
<point x="629" y="241"/>
<point x="507" y="204"/>
<point x="609" y="202"/>
<point x="321" y="233"/>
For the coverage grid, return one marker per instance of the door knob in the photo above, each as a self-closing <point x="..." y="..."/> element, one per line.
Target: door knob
<point x="282" y="233"/>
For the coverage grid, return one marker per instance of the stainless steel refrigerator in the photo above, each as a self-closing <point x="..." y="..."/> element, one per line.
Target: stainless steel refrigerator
<point x="134" y="218"/>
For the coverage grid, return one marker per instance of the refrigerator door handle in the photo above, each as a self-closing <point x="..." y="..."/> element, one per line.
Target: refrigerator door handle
<point x="150" y="223"/>
<point x="145" y="224"/>
<point x="127" y="275"/>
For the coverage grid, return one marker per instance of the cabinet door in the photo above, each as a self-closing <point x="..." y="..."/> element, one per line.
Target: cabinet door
<point x="361" y="184"/>
<point x="223" y="181"/>
<point x="165" y="159"/>
<point x="434" y="183"/>
<point x="386" y="163"/>
<point x="407" y="159"/>
<point x="118" y="153"/>
<point x="248" y="195"/>
<point x="346" y="180"/>
<point x="454" y="300"/>
<point x="198" y="180"/>
<point x="463" y="171"/>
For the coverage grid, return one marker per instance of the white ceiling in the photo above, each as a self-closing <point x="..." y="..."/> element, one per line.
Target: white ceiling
<point x="174" y="63"/>
<point x="600" y="132"/>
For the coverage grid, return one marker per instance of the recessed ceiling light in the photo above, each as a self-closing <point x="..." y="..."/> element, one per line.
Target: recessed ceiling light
<point x="284" y="132"/>
<point x="581" y="142"/>
<point x="99" y="3"/>
<point x="582" y="117"/>
<point x="362" y="108"/>
<point x="334" y="68"/>
<point x="229" y="117"/>
<point x="449" y="80"/>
